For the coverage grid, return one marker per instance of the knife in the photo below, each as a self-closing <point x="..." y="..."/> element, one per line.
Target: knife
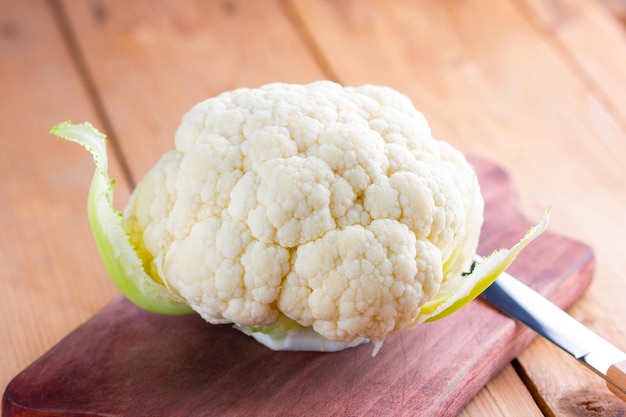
<point x="525" y="305"/>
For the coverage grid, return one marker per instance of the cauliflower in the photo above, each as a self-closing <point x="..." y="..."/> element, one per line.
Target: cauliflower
<point x="312" y="216"/>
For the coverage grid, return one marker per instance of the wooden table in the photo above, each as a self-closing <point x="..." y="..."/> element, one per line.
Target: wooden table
<point x="537" y="86"/>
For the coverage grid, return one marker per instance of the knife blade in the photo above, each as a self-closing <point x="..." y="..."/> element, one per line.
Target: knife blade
<point x="527" y="306"/>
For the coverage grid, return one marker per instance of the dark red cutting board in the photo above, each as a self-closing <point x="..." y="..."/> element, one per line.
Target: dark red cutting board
<point x="128" y="362"/>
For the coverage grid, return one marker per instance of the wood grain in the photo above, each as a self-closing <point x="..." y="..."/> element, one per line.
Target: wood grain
<point x="590" y="35"/>
<point x="566" y="397"/>
<point x="501" y="398"/>
<point x="127" y="362"/>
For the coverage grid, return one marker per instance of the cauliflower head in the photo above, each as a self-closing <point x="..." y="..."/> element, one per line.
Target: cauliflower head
<point x="333" y="206"/>
<point x="313" y="217"/>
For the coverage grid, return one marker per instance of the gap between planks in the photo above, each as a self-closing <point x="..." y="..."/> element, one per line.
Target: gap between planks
<point x="300" y="26"/>
<point x="536" y="21"/>
<point x="69" y="38"/>
<point x="532" y="388"/>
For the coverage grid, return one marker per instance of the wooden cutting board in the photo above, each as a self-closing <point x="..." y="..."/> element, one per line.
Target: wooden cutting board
<point x="128" y="362"/>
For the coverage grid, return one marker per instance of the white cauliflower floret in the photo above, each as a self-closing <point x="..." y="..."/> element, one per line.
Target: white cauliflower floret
<point x="331" y="206"/>
<point x="361" y="281"/>
<point x="225" y="274"/>
<point x="285" y="201"/>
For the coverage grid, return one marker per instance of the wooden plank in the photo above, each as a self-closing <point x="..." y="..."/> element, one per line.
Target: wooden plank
<point x="589" y="33"/>
<point x="501" y="398"/>
<point x="46" y="248"/>
<point x="566" y="396"/>
<point x="152" y="61"/>
<point x="492" y="83"/>
<point x="182" y="366"/>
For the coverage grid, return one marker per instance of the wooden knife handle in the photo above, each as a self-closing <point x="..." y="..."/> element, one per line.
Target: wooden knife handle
<point x="617" y="373"/>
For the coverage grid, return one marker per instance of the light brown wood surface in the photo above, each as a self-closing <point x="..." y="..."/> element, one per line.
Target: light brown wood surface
<point x="537" y="86"/>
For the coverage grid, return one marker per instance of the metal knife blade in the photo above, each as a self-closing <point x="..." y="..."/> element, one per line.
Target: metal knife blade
<point x="524" y="304"/>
